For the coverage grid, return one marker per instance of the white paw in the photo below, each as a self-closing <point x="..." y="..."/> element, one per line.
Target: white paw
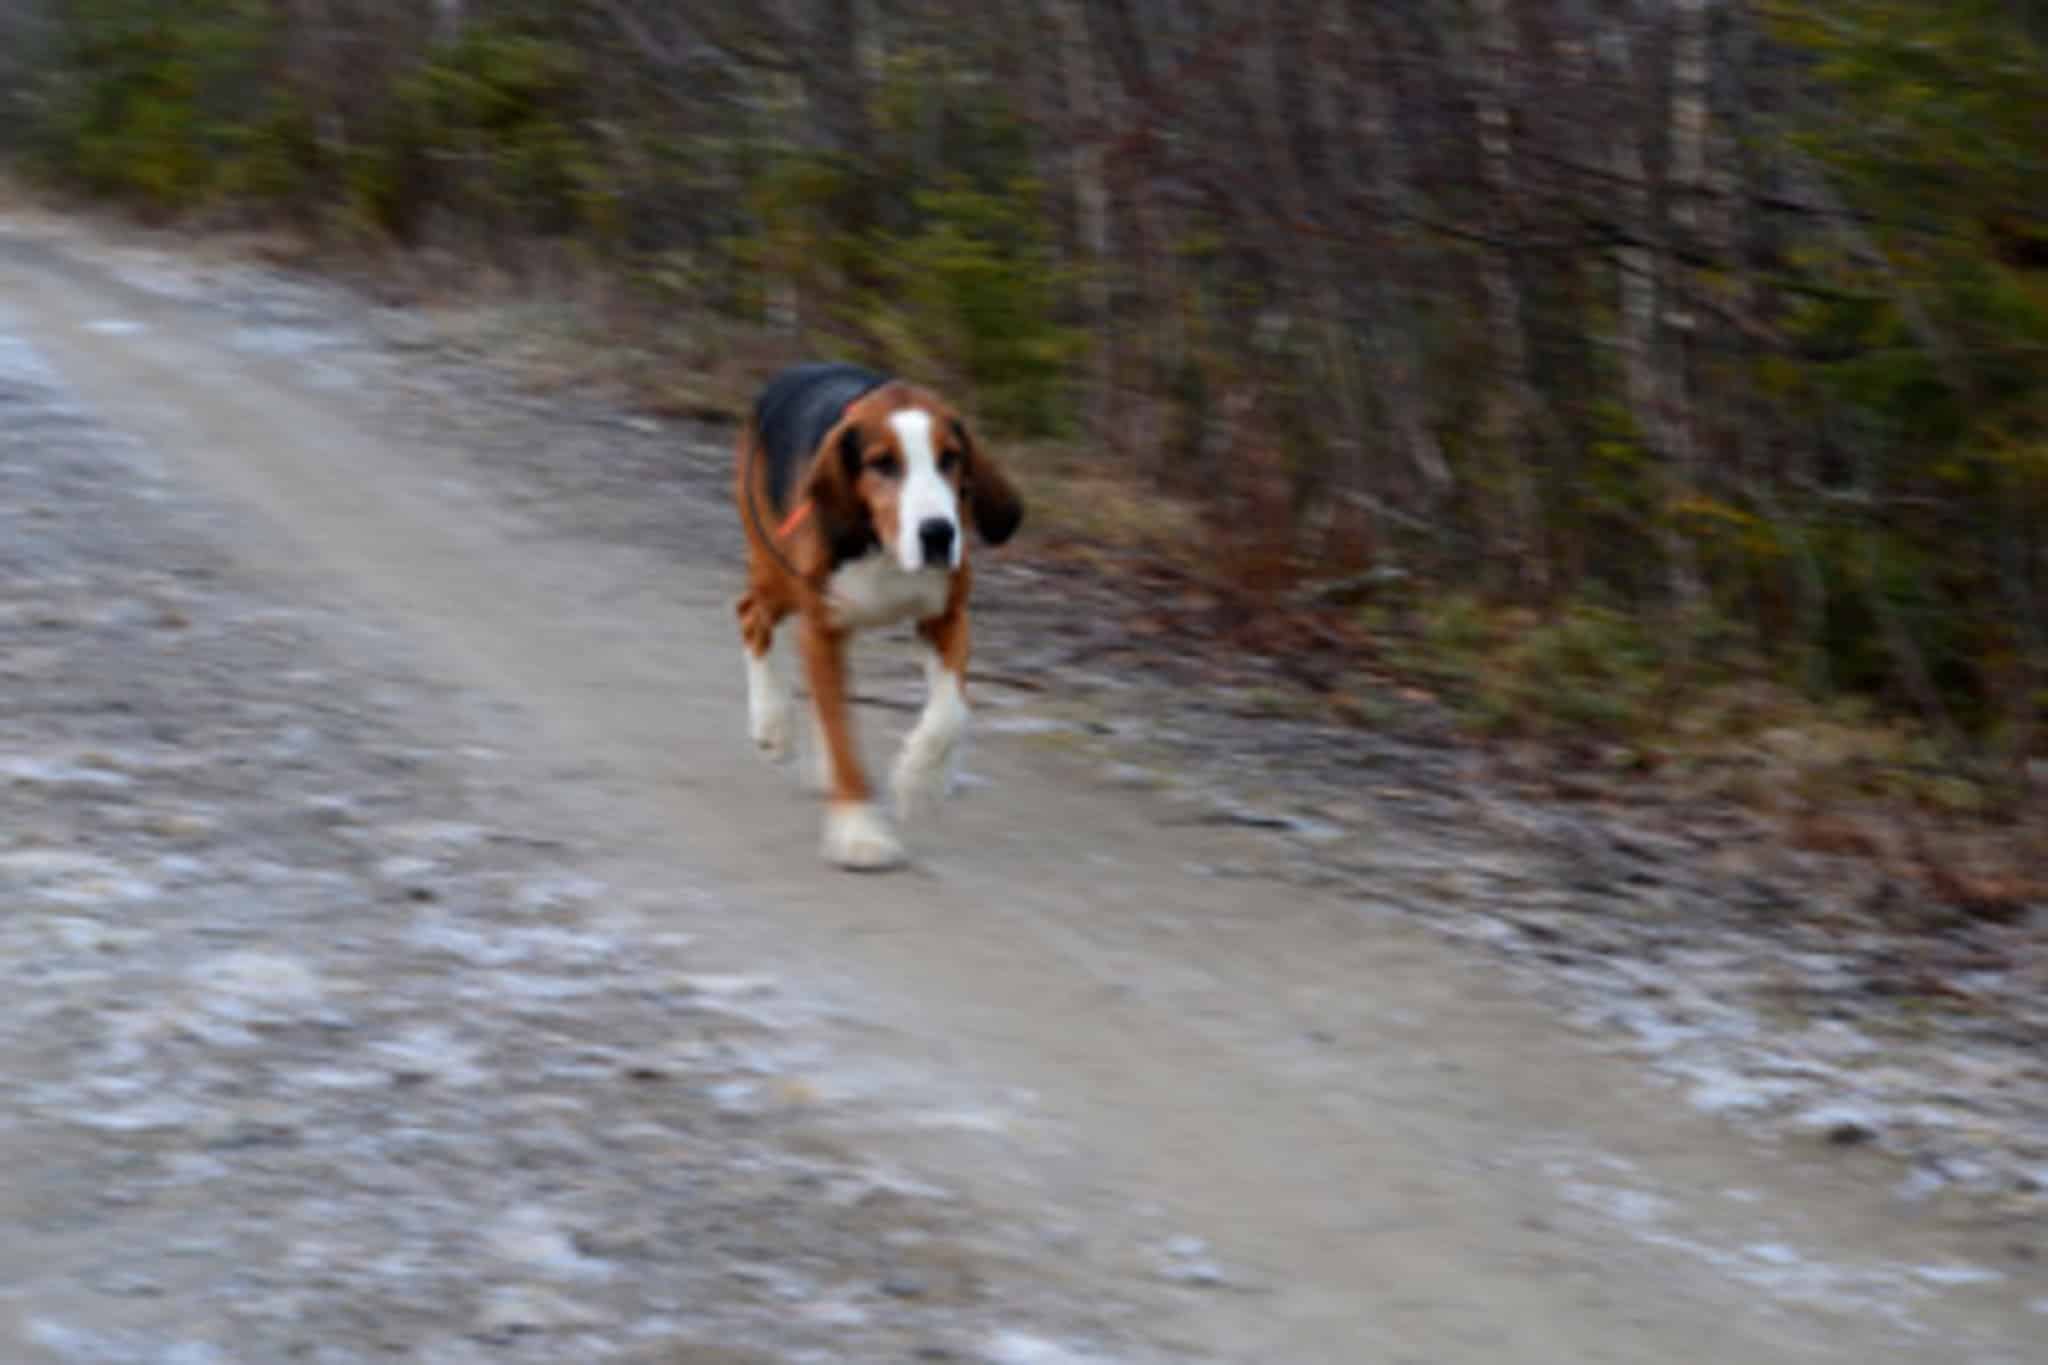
<point x="926" y="769"/>
<point x="767" y="711"/>
<point x="926" y="772"/>
<point x="769" y="727"/>
<point x="858" y="837"/>
<point x="770" y="731"/>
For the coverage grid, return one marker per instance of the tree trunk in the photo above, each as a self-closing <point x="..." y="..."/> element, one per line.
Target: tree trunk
<point x="448" y="15"/>
<point x="1088" y="135"/>
<point x="1511" y="399"/>
<point x="834" y="87"/>
<point x="1687" y="195"/>
<point x="1654" y="386"/>
<point x="1391" y="291"/>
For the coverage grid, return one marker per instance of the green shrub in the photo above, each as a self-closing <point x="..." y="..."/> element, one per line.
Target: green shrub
<point x="976" y="289"/>
<point x="1585" y="670"/>
<point x="488" y="129"/>
<point x="143" y="97"/>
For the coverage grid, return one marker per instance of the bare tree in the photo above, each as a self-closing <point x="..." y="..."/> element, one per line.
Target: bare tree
<point x="1085" y="129"/>
<point x="1655" y="387"/>
<point x="1512" y="402"/>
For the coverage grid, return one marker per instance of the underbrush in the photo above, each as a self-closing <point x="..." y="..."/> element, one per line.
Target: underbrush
<point x="1586" y="679"/>
<point x="1594" y="685"/>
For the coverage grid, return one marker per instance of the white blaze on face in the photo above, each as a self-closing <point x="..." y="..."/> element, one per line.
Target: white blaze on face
<point x="926" y="497"/>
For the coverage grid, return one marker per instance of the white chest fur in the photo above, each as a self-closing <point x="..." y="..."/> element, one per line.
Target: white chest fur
<point x="875" y="590"/>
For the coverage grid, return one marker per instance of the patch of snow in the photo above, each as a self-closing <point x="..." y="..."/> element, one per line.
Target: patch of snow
<point x="1957" y="1274"/>
<point x="74" y="879"/>
<point x="1185" y="1260"/>
<point x="276" y="340"/>
<point x="558" y="892"/>
<point x="160" y="280"/>
<point x="449" y="834"/>
<point x="1024" y="725"/>
<point x="728" y="985"/>
<point x="965" y="1120"/>
<point x="151" y="1115"/>
<point x="531" y="1236"/>
<point x="103" y="891"/>
<point x="883" y="1180"/>
<point x="1777" y="1268"/>
<point x="533" y="1308"/>
<point x="341" y="1078"/>
<point x="251" y="983"/>
<point x="431" y="1051"/>
<point x="405" y="867"/>
<point x="1772" y="1253"/>
<point x="500" y="947"/>
<point x="1729" y="1092"/>
<point x="1854" y="1115"/>
<point x="88" y="935"/>
<point x="32" y="770"/>
<point x="87" y="1347"/>
<point x="735" y="1096"/>
<point x="1635" y="1208"/>
<point x="535" y="987"/>
<point x="756" y="999"/>
<point x="1022" y="1348"/>
<point x="836" y="1312"/>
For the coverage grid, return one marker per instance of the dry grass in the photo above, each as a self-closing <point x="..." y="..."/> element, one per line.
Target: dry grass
<point x="1077" y="497"/>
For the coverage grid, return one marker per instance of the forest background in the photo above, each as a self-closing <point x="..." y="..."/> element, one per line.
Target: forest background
<point x="1629" y="373"/>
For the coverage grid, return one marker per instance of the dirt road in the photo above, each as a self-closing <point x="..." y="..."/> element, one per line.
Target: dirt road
<point x="540" y="1032"/>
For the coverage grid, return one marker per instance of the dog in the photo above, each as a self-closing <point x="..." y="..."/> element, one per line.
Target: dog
<point x="857" y="491"/>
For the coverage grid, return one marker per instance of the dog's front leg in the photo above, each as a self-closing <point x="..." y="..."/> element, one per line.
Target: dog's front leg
<point x="857" y="833"/>
<point x="767" y="707"/>
<point x="760" y="611"/>
<point x="926" y="768"/>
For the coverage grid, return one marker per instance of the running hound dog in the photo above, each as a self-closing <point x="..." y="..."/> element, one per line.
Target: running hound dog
<point x="857" y="490"/>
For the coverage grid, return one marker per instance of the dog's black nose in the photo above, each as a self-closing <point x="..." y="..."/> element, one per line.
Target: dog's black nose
<point x="935" y="536"/>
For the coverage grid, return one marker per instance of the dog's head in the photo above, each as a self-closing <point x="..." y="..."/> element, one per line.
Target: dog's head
<point x="902" y="469"/>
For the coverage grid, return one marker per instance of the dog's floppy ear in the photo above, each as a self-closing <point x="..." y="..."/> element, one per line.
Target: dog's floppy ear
<point x="829" y="486"/>
<point x="992" y="501"/>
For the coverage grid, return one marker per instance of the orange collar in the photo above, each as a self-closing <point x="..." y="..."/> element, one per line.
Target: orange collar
<point x="794" y="520"/>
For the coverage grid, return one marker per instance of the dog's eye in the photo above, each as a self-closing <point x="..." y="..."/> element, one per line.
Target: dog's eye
<point x="886" y="464"/>
<point x="949" y="460"/>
